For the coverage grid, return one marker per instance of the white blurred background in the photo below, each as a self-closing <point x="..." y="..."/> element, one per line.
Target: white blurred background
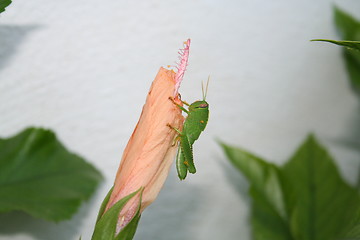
<point x="83" y="68"/>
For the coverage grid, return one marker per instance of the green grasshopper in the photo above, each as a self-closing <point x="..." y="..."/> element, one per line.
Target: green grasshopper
<point x="195" y="123"/>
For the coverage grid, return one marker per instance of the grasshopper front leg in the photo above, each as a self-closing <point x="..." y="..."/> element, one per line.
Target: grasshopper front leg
<point x="179" y="106"/>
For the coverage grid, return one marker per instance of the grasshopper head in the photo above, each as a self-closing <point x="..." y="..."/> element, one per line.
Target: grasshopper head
<point x="199" y="105"/>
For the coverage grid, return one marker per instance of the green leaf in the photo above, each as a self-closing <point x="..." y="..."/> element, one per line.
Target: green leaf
<point x="4" y="4"/>
<point x="321" y="203"/>
<point x="355" y="45"/>
<point x="349" y="30"/>
<point x="105" y="228"/>
<point x="269" y="219"/>
<point x="39" y="176"/>
<point x="306" y="199"/>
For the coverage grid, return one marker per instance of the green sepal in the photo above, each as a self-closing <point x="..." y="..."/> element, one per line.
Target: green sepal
<point x="128" y="232"/>
<point x="105" y="228"/>
<point x="104" y="203"/>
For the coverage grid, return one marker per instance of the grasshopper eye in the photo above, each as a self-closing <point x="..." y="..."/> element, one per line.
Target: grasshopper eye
<point x="203" y="105"/>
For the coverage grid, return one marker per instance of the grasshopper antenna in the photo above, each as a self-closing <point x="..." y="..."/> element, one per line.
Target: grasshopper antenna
<point x="206" y="89"/>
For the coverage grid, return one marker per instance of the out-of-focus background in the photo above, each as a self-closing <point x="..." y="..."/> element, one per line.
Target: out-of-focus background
<point x="83" y="69"/>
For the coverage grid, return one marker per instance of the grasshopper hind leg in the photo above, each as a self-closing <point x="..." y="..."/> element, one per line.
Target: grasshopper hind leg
<point x="186" y="150"/>
<point x="180" y="165"/>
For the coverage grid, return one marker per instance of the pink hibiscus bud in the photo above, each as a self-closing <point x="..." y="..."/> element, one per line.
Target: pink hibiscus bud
<point x="151" y="149"/>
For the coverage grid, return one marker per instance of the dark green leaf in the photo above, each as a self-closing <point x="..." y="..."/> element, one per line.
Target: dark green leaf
<point x="354" y="230"/>
<point x="349" y="29"/>
<point x="355" y="45"/>
<point x="105" y="228"/>
<point x="352" y="63"/>
<point x="305" y="200"/>
<point x="347" y="26"/>
<point x="4" y="4"/>
<point x="40" y="177"/>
